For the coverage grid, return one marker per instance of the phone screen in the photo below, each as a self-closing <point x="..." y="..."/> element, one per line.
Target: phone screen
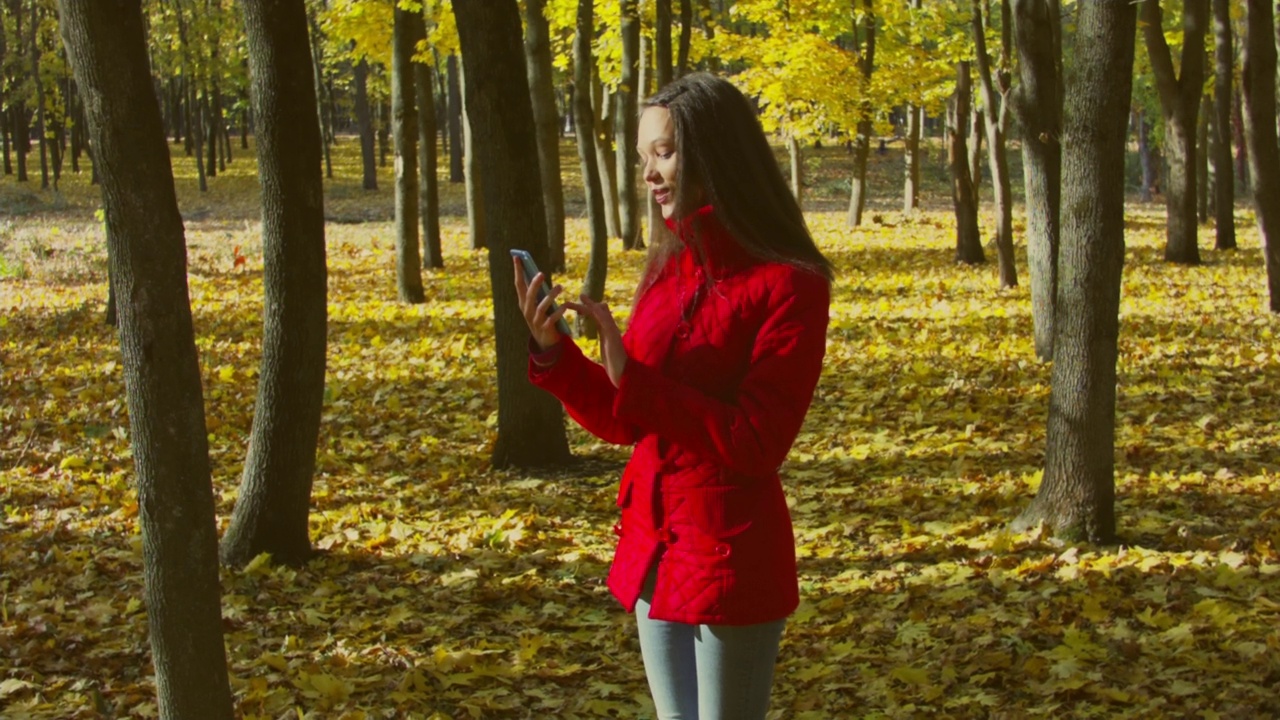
<point x="530" y="270"/>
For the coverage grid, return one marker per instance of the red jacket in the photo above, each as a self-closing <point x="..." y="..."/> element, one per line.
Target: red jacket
<point x="719" y="379"/>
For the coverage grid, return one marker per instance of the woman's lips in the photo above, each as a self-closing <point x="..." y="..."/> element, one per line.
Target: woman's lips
<point x="662" y="197"/>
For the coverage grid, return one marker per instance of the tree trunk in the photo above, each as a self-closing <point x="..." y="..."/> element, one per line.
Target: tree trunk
<point x="1224" y="192"/>
<point x="456" y="172"/>
<point x="384" y="132"/>
<point x="583" y="72"/>
<point x="428" y="186"/>
<point x="797" y="169"/>
<point x="1242" y="148"/>
<point x="1180" y="106"/>
<point x="1146" y="156"/>
<point x="603" y="107"/>
<point x="1039" y="108"/>
<point x="147" y="252"/>
<point x="996" y="120"/>
<point x="404" y="131"/>
<point x="1258" y="73"/>
<point x="275" y="491"/>
<point x="686" y="37"/>
<point x="325" y="119"/>
<point x="364" y="120"/>
<point x="537" y="48"/>
<point x="1202" y="161"/>
<point x="531" y="428"/>
<point x="627" y="126"/>
<point x="35" y="74"/>
<point x="1076" y="499"/>
<point x="662" y="43"/>
<point x="474" y="174"/>
<point x="862" y="145"/>
<point x="211" y="132"/>
<point x="968" y="241"/>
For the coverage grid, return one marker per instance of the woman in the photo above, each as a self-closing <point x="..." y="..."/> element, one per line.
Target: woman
<point x="710" y="383"/>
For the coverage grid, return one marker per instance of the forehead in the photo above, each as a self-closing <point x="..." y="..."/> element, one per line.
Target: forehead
<point x="655" y="126"/>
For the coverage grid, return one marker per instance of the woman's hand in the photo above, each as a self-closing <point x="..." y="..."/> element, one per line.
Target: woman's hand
<point x="541" y="325"/>
<point x="611" y="348"/>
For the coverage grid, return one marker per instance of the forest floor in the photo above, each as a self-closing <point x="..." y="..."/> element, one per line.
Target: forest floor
<point x="448" y="589"/>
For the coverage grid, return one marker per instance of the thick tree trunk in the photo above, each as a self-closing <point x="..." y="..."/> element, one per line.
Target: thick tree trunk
<point x="364" y="121"/>
<point x="686" y="37"/>
<point x="275" y="492"/>
<point x="473" y="175"/>
<point x="1258" y="81"/>
<point x="1076" y="499"/>
<point x="583" y="76"/>
<point x="662" y="43"/>
<point x="531" y="428"/>
<point x="996" y="121"/>
<point x="404" y="131"/>
<point x="456" y="172"/>
<point x="1180" y="106"/>
<point x="108" y="54"/>
<point x="627" y="126"/>
<point x="428" y="185"/>
<point x="1224" y="191"/>
<point x="1039" y="107"/>
<point x="537" y="48"/>
<point x="968" y="242"/>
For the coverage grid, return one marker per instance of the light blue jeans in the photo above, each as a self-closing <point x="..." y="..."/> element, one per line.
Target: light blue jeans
<point x="707" y="672"/>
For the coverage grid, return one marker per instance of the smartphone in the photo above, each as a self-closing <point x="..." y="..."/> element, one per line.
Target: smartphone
<point x="530" y="270"/>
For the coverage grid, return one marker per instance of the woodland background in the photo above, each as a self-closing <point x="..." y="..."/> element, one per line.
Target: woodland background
<point x="443" y="583"/>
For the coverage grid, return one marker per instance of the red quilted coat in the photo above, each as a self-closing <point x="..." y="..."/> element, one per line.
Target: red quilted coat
<point x="719" y="379"/>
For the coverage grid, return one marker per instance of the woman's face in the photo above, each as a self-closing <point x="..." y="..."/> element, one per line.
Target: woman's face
<point x="656" y="142"/>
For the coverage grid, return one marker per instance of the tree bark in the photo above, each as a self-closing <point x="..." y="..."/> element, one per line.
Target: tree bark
<point x="627" y="127"/>
<point x="583" y="75"/>
<point x="1258" y="82"/>
<point x="968" y="241"/>
<point x="275" y="491"/>
<point x="603" y="108"/>
<point x="1039" y="108"/>
<point x="1146" y="156"/>
<point x="39" y="84"/>
<point x="862" y="144"/>
<point x="662" y="43"/>
<point x="996" y="120"/>
<point x="456" y="172"/>
<point x="1180" y="106"/>
<point x="1202" y="161"/>
<point x="364" y="121"/>
<point x="428" y="186"/>
<point x="1224" y="191"/>
<point x="537" y="48"/>
<point x="1076" y="499"/>
<point x="686" y="37"/>
<point x="473" y="175"/>
<point x="531" y="428"/>
<point x="147" y="252"/>
<point x="404" y="132"/>
<point x="797" y="169"/>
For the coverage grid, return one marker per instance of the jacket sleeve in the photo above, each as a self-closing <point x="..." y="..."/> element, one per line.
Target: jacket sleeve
<point x="584" y="388"/>
<point x="753" y="434"/>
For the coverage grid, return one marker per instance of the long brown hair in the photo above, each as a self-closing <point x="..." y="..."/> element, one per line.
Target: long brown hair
<point x="723" y="155"/>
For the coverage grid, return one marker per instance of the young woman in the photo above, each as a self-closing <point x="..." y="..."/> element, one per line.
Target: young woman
<point x="710" y="383"/>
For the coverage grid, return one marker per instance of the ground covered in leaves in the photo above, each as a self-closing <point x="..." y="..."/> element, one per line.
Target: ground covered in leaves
<point x="450" y="590"/>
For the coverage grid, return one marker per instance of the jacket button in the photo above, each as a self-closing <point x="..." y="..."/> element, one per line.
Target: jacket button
<point x="723" y="550"/>
<point x="683" y="331"/>
<point x="617" y="528"/>
<point x="666" y="536"/>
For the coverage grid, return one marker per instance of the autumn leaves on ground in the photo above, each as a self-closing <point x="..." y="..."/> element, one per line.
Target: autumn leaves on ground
<point x="450" y="590"/>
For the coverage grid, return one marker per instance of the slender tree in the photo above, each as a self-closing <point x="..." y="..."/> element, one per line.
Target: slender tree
<point x="428" y="185"/>
<point x="968" y="241"/>
<point x="995" y="118"/>
<point x="1180" y="105"/>
<point x="272" y="508"/>
<point x="583" y="72"/>
<point x="603" y="110"/>
<point x="473" y="174"/>
<point x="404" y="131"/>
<point x="364" y="122"/>
<point x="686" y="37"/>
<point x="627" y="126"/>
<point x="1223" y="177"/>
<point x="662" y="43"/>
<point x="864" y="23"/>
<point x="537" y="48"/>
<point x="1076" y="499"/>
<point x="1038" y="104"/>
<point x="911" y="144"/>
<point x="531" y="428"/>
<point x="454" y="94"/>
<point x="1258" y="80"/>
<point x="147" y="251"/>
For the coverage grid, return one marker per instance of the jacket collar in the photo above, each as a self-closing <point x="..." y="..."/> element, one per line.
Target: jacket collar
<point x="702" y="233"/>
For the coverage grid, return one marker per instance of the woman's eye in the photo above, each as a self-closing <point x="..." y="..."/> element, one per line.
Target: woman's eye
<point x="667" y="155"/>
